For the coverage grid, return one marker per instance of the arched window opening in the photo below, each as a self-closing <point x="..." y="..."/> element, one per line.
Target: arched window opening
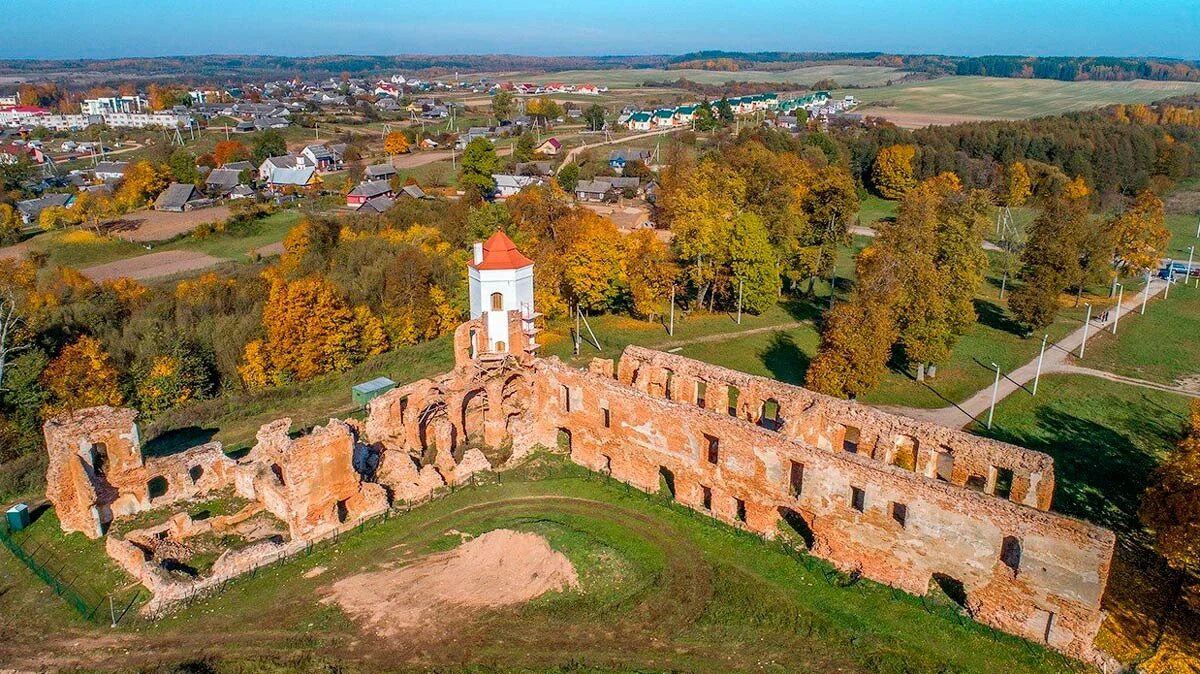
<point x="497" y="302"/>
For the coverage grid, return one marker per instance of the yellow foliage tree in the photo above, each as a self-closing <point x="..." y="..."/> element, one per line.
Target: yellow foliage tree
<point x="143" y="182"/>
<point x="10" y="224"/>
<point x="892" y="172"/>
<point x="255" y="369"/>
<point x="593" y="262"/>
<point x="1017" y="185"/>
<point x="650" y="272"/>
<point x="395" y="143"/>
<point x="81" y="376"/>
<point x="54" y="217"/>
<point x="1077" y="189"/>
<point x="1141" y="234"/>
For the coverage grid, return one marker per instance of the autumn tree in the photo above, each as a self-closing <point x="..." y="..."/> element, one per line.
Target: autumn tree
<point x="650" y="272"/>
<point x="1140" y="235"/>
<point x="227" y="151"/>
<point x="592" y="259"/>
<point x="753" y="263"/>
<point x="10" y="224"/>
<point x="1170" y="508"/>
<point x="310" y="330"/>
<point x="892" y="173"/>
<point x="143" y="181"/>
<point x="1017" y="186"/>
<point x="568" y="176"/>
<point x="180" y="374"/>
<point x="858" y="334"/>
<point x="479" y="162"/>
<point x="83" y="375"/>
<point x="395" y="143"/>
<point x="544" y="109"/>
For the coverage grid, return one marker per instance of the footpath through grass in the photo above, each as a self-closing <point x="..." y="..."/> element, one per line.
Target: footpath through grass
<point x="662" y="589"/>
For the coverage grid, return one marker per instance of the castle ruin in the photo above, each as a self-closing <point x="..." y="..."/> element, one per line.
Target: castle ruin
<point x="903" y="502"/>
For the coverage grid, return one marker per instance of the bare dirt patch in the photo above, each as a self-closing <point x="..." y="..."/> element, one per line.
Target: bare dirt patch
<point x="499" y="568"/>
<point x="153" y="265"/>
<point x="150" y="225"/>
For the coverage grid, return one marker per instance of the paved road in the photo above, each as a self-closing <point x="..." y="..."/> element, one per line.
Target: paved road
<point x="976" y="407"/>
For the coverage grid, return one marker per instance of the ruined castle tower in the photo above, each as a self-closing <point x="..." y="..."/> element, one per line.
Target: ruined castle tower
<point x="501" y="282"/>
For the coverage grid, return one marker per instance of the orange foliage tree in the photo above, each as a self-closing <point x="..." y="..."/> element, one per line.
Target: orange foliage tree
<point x="228" y="151"/>
<point x="81" y="376"/>
<point x="395" y="143"/>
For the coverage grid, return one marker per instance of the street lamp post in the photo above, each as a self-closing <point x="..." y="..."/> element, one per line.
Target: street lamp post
<point x="1188" y="279"/>
<point x="1146" y="293"/>
<point x="1087" y="322"/>
<point x="995" y="389"/>
<point x="1117" y="318"/>
<point x="1038" y="375"/>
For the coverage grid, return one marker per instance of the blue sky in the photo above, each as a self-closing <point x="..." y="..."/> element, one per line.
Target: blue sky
<point x="112" y="28"/>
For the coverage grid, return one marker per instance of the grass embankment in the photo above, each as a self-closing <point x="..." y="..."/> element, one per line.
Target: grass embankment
<point x="662" y="589"/>
<point x="1106" y="438"/>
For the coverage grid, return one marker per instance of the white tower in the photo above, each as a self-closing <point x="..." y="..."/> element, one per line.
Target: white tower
<point x="501" y="280"/>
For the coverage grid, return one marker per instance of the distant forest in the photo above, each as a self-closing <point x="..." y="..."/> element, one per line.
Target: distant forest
<point x="243" y="67"/>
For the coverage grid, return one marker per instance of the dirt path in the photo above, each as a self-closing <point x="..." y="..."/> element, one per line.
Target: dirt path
<point x="151" y="225"/>
<point x="153" y="265"/>
<point x="723" y="336"/>
<point x="574" y="152"/>
<point x="1068" y="368"/>
<point x="976" y="407"/>
<point x="863" y="230"/>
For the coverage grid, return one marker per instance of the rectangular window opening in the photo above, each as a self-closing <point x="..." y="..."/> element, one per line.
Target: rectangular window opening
<point x="701" y="393"/>
<point x="706" y="497"/>
<point x="566" y="398"/>
<point x="858" y="499"/>
<point x="714" y="450"/>
<point x="607" y="417"/>
<point x="850" y="440"/>
<point x="797" y="478"/>
<point x="740" y="513"/>
<point x="899" y="513"/>
<point x="1003" y="485"/>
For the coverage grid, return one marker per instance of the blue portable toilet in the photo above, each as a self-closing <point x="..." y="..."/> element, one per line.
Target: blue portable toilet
<point x="18" y="517"/>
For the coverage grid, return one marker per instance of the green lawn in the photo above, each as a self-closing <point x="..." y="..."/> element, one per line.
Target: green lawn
<point x="662" y="589"/>
<point x="1105" y="439"/>
<point x="1159" y="346"/>
<point x="873" y="208"/>
<point x="81" y="248"/>
<point x="237" y="246"/>
<point x="1012" y="98"/>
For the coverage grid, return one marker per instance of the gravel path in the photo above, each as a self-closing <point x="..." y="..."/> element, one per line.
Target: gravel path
<point x="153" y="265"/>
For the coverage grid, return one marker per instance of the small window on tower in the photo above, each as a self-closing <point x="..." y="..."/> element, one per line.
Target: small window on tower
<point x="497" y="302"/>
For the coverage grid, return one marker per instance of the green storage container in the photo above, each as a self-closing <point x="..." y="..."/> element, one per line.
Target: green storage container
<point x="18" y="517"/>
<point x="367" y="391"/>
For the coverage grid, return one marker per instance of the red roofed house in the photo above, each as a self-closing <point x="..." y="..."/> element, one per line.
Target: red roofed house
<point x="549" y="148"/>
<point x="500" y="281"/>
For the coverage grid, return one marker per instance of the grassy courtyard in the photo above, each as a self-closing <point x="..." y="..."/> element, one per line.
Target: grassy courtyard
<point x="662" y="589"/>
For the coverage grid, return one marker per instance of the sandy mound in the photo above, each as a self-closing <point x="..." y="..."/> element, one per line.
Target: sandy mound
<point x="499" y="568"/>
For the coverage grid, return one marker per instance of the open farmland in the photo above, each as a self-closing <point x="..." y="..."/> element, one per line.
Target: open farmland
<point x="632" y="77"/>
<point x="955" y="99"/>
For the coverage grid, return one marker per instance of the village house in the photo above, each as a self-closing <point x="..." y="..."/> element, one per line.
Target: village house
<point x="107" y="171"/>
<point x="379" y="172"/>
<point x="179" y="197"/>
<point x="549" y="147"/>
<point x="508" y="185"/>
<point x="593" y="190"/>
<point x="366" y="191"/>
<point x="270" y="165"/>
<point x="640" y="121"/>
<point x="324" y="158"/>
<point x="377" y="204"/>
<point x="30" y="209"/>
<point x="221" y="181"/>
<point x="617" y="159"/>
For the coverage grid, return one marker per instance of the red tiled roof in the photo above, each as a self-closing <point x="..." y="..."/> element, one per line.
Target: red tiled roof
<point x="499" y="252"/>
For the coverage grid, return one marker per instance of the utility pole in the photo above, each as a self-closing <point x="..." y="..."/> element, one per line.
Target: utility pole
<point x="1087" y="322"/>
<point x="739" y="313"/>
<point x="995" y="389"/>
<point x="1188" y="279"/>
<point x="1120" y="294"/>
<point x="1038" y="375"/>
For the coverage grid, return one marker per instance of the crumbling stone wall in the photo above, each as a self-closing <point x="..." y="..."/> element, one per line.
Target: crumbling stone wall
<point x="1022" y="569"/>
<point x="310" y="482"/>
<point x="981" y="464"/>
<point x="97" y="472"/>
